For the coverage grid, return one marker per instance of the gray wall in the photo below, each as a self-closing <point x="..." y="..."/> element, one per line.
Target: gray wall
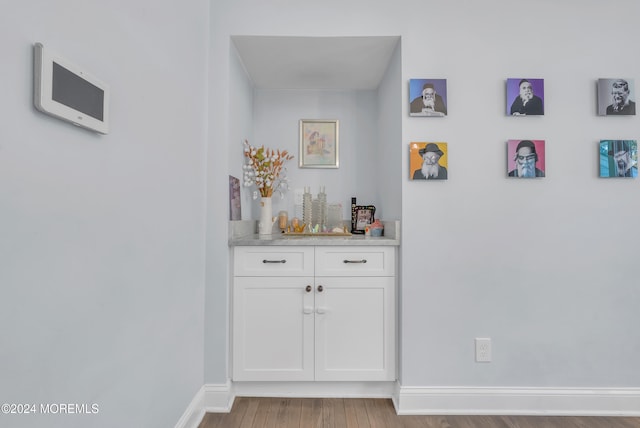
<point x="102" y="237"/>
<point x="543" y="267"/>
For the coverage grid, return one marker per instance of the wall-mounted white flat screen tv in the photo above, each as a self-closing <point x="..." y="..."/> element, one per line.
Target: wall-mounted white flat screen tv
<point x="65" y="91"/>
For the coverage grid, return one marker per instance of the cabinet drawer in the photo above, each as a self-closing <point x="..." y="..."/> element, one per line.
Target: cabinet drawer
<point x="355" y="261"/>
<point x="273" y="261"/>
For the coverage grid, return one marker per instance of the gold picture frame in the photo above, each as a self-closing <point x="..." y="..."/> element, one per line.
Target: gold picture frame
<point x="319" y="143"/>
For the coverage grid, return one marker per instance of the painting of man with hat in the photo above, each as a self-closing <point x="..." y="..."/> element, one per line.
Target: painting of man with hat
<point x="428" y="97"/>
<point x="431" y="155"/>
<point x="527" y="159"/>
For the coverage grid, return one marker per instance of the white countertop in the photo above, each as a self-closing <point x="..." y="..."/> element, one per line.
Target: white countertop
<point x="243" y="233"/>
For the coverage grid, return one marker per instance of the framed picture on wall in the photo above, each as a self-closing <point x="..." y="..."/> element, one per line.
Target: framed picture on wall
<point x="525" y="158"/>
<point x="319" y="143"/>
<point x="525" y="97"/>
<point x="618" y="158"/>
<point x="428" y="161"/>
<point x="616" y="97"/>
<point x="428" y="97"/>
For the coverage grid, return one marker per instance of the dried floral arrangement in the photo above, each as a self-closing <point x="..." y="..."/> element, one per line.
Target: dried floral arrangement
<point x="265" y="168"/>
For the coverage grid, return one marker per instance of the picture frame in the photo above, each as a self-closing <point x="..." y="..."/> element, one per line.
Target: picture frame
<point x="618" y="158"/>
<point x="364" y="216"/>
<point x="428" y="161"/>
<point x="319" y="143"/>
<point x="428" y="97"/>
<point x="616" y="97"/>
<point x="525" y="97"/>
<point x="526" y="159"/>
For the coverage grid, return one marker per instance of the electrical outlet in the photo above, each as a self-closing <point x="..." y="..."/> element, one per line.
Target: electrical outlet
<point x="483" y="349"/>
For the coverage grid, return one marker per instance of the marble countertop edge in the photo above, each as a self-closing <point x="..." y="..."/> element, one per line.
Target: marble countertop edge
<point x="243" y="232"/>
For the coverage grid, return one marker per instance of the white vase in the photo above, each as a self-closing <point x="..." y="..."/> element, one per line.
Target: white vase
<point x="265" y="224"/>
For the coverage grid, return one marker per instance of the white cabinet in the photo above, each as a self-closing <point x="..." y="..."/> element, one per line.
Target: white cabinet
<point x="314" y="313"/>
<point x="355" y="313"/>
<point x="273" y="307"/>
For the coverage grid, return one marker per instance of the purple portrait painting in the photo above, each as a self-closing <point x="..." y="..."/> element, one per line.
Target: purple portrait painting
<point x="525" y="97"/>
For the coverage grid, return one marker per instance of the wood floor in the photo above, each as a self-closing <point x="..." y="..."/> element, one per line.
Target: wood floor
<point x="250" y="412"/>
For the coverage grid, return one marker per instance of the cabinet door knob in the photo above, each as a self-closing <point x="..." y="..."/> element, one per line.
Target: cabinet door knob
<point x="320" y="288"/>
<point x="308" y="289"/>
<point x="308" y="310"/>
<point x="321" y="310"/>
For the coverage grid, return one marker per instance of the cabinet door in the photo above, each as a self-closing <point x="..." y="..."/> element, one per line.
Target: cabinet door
<point x="273" y="320"/>
<point x="355" y="328"/>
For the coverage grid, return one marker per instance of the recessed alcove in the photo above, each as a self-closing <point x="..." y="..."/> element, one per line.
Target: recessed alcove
<point x="276" y="81"/>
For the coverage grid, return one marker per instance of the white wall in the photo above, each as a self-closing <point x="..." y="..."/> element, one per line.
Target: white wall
<point x="389" y="130"/>
<point x="543" y="267"/>
<point x="546" y="268"/>
<point x="102" y="237"/>
<point x="276" y="125"/>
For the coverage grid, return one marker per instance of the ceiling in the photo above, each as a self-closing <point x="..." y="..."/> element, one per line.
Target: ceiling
<point x="274" y="62"/>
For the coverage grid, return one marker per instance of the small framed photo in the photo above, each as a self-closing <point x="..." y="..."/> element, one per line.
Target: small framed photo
<point x="428" y="97"/>
<point x="364" y="216"/>
<point x="319" y="143"/>
<point x="615" y="97"/>
<point x="618" y="158"/>
<point x="525" y="97"/>
<point x="525" y="158"/>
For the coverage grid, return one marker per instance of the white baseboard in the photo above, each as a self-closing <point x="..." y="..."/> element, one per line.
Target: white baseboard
<point x="218" y="398"/>
<point x="210" y="398"/>
<point x="428" y="400"/>
<point x="517" y="401"/>
<point x="193" y="415"/>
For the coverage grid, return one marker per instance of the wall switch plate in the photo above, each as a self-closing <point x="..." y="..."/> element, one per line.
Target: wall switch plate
<point x="483" y="349"/>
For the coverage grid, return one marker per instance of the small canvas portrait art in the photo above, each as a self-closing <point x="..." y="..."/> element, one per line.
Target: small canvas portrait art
<point x="616" y="97"/>
<point x="428" y="161"/>
<point x="525" y="158"/>
<point x="525" y="97"/>
<point x="235" y="212"/>
<point x="428" y="97"/>
<point x="618" y="158"/>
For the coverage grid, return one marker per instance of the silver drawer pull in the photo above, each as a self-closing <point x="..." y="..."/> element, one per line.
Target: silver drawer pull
<point x="274" y="261"/>
<point x="355" y="261"/>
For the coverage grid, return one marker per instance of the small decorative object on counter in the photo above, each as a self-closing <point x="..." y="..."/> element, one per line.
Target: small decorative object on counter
<point x="364" y="216"/>
<point x="266" y="222"/>
<point x="322" y="208"/>
<point x="307" y="205"/>
<point x="265" y="169"/>
<point x="376" y="228"/>
<point x="283" y="220"/>
<point x="353" y="213"/>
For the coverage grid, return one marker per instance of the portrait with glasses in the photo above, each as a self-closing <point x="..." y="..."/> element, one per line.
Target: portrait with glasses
<point x="615" y="97"/>
<point x="428" y="97"/>
<point x="525" y="158"/>
<point x="428" y="161"/>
